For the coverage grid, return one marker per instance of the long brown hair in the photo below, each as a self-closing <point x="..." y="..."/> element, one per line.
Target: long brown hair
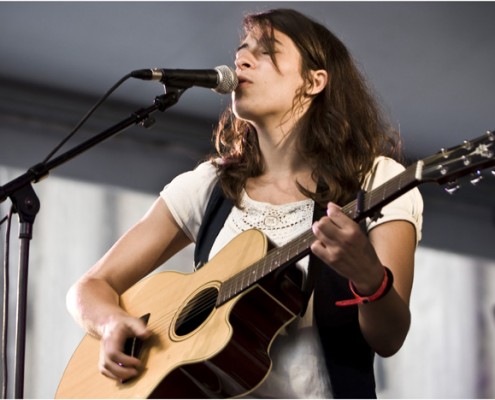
<point x="340" y="135"/>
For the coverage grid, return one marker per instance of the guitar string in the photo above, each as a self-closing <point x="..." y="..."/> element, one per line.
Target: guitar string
<point x="389" y="188"/>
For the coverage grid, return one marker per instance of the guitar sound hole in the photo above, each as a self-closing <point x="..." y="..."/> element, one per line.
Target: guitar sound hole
<point x="196" y="311"/>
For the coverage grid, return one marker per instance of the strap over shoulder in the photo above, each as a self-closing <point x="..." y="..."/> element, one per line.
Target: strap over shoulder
<point x="217" y="211"/>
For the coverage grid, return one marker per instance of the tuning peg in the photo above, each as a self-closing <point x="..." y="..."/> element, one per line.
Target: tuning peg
<point x="452" y="187"/>
<point x="466" y="160"/>
<point x="476" y="177"/>
<point x="467" y="145"/>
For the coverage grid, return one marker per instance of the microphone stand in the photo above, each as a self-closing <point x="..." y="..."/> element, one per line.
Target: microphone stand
<point x="27" y="205"/>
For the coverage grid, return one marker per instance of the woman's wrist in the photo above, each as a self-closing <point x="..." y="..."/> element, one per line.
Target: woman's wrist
<point x="385" y="286"/>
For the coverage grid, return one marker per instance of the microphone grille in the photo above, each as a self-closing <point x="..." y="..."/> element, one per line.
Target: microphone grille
<point x="227" y="80"/>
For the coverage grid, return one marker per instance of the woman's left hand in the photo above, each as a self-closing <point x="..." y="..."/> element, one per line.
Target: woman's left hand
<point x="343" y="246"/>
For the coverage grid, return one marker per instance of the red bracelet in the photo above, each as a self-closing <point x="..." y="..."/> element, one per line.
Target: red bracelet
<point x="385" y="286"/>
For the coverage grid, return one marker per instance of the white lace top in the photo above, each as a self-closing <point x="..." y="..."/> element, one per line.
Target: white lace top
<point x="279" y="223"/>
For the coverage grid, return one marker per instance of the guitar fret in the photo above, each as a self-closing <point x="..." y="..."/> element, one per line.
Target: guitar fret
<point x="242" y="278"/>
<point x="237" y="289"/>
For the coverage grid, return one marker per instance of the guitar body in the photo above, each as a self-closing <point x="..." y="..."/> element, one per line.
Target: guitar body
<point x="222" y="351"/>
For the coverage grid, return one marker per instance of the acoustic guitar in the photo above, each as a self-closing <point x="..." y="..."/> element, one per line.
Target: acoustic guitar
<point x="213" y="328"/>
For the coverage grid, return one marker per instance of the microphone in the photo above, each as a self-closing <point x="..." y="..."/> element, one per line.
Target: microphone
<point x="222" y="79"/>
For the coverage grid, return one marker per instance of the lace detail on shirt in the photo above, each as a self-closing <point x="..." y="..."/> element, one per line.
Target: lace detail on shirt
<point x="279" y="223"/>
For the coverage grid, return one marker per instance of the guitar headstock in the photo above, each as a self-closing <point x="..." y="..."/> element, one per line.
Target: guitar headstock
<point x="470" y="157"/>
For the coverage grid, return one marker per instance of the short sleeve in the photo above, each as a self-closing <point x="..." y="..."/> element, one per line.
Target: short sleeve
<point x="408" y="207"/>
<point x="187" y="195"/>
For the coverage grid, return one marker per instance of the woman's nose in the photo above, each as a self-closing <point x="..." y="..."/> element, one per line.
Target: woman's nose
<point x="244" y="61"/>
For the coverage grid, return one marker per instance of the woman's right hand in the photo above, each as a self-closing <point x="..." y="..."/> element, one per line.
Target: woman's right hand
<point x="113" y="362"/>
<point x="94" y="302"/>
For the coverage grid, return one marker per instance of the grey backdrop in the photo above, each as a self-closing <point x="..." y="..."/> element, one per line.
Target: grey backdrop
<point x="430" y="63"/>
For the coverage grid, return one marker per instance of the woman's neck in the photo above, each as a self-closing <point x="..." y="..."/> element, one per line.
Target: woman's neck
<point x="278" y="146"/>
<point x="284" y="169"/>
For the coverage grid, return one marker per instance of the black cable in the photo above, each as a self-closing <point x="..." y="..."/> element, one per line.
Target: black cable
<point x="85" y="118"/>
<point x="5" y="312"/>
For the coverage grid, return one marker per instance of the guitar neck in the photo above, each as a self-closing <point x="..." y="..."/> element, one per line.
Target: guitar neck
<point x="367" y="204"/>
<point x="371" y="202"/>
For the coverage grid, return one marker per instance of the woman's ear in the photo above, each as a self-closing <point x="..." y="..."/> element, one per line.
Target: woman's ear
<point x="319" y="80"/>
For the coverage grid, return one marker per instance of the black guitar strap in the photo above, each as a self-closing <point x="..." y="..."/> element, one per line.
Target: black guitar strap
<point x="216" y="213"/>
